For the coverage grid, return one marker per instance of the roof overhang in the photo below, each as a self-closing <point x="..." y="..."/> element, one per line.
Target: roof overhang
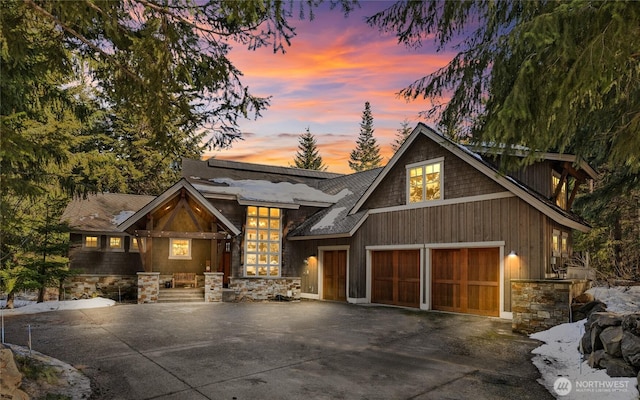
<point x="476" y="161"/>
<point x="169" y="194"/>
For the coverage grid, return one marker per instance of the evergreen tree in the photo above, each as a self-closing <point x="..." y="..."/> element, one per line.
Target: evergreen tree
<point x="366" y="155"/>
<point x="307" y="156"/>
<point x="401" y="135"/>
<point x="549" y="75"/>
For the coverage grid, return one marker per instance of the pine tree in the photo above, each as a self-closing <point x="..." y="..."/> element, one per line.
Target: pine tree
<point x="366" y="155"/>
<point x="307" y="156"/>
<point x="402" y="134"/>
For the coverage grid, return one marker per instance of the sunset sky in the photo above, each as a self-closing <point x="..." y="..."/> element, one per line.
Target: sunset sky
<point x="333" y="66"/>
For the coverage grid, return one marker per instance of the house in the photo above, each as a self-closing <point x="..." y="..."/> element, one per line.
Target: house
<point x="438" y="228"/>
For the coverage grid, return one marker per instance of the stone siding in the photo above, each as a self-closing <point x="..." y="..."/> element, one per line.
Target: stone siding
<point x="257" y="289"/>
<point x="115" y="287"/>
<point x="538" y="305"/>
<point x="148" y="287"/>
<point x="213" y="286"/>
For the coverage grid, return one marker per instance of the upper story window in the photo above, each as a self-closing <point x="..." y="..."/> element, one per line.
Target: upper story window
<point x="263" y="242"/>
<point x="180" y="249"/>
<point x="561" y="200"/>
<point x="424" y="181"/>
<point x="116" y="243"/>
<point x="91" y="242"/>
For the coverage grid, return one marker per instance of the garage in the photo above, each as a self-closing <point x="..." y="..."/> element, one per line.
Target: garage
<point x="396" y="277"/>
<point x="466" y="280"/>
<point x="334" y="276"/>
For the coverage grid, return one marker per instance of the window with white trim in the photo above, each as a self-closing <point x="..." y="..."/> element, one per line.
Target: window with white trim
<point x="555" y="243"/>
<point x="564" y="244"/>
<point x="115" y="243"/>
<point x="179" y="249"/>
<point x="90" y="242"/>
<point x="263" y="242"/>
<point x="424" y="182"/>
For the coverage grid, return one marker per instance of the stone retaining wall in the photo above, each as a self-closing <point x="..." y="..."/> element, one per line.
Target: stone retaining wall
<point x="257" y="289"/>
<point x="115" y="287"/>
<point x="538" y="305"/>
<point x="213" y="286"/>
<point x="148" y="287"/>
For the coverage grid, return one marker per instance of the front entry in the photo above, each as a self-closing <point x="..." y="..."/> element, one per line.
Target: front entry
<point x="396" y="277"/>
<point x="466" y="280"/>
<point x="334" y="276"/>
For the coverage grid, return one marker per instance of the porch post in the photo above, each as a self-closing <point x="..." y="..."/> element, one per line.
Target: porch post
<point x="148" y="287"/>
<point x="213" y="287"/>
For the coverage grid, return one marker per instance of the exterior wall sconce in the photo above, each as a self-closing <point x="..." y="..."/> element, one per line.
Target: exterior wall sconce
<point x="513" y="253"/>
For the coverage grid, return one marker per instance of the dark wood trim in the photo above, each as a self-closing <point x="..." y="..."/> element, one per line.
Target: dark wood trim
<point x="173" y="234"/>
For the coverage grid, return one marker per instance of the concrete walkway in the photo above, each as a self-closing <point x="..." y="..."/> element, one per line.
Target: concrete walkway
<point x="307" y="350"/>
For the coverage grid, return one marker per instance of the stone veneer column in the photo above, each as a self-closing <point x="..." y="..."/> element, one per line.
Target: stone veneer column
<point x="213" y="286"/>
<point x="148" y="287"/>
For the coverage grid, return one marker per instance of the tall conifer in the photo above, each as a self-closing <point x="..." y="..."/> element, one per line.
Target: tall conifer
<point x="366" y="155"/>
<point x="307" y="156"/>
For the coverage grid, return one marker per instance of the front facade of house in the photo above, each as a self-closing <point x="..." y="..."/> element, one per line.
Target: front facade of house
<point x="438" y="228"/>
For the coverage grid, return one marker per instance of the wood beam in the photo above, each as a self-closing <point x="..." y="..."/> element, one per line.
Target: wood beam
<point x="174" y="234"/>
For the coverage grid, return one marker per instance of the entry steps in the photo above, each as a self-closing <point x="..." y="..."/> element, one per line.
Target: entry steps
<point x="181" y="295"/>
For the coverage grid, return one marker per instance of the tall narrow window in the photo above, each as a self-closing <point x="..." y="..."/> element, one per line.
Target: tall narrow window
<point x="555" y="244"/>
<point x="561" y="200"/>
<point x="424" y="182"/>
<point x="263" y="242"/>
<point x="180" y="249"/>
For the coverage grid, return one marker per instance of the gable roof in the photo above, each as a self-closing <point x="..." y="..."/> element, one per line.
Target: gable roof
<point x="102" y="212"/>
<point x="168" y="194"/>
<point x="519" y="189"/>
<point x="336" y="221"/>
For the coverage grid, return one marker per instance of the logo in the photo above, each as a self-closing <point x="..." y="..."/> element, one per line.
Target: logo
<point x="562" y="386"/>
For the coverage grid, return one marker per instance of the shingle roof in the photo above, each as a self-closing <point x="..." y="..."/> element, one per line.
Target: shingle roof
<point x="103" y="212"/>
<point x="335" y="220"/>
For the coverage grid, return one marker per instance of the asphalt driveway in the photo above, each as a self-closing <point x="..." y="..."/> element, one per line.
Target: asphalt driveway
<point x="306" y="350"/>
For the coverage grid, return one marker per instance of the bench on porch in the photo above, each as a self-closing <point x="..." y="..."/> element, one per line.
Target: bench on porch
<point x="184" y="278"/>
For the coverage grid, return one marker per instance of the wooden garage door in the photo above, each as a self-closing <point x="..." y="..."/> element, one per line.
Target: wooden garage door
<point x="396" y="277"/>
<point x="466" y="280"/>
<point x="334" y="278"/>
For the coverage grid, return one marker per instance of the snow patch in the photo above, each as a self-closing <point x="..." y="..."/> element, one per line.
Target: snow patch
<point x="560" y="356"/>
<point x="281" y="192"/>
<point x="120" y="218"/>
<point x="35" y="308"/>
<point x="329" y="219"/>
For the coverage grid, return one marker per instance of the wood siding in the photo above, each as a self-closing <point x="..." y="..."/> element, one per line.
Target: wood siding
<point x="460" y="179"/>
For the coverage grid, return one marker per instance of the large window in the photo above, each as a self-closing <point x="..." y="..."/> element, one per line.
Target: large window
<point x="424" y="182"/>
<point x="180" y="249"/>
<point x="262" y="244"/>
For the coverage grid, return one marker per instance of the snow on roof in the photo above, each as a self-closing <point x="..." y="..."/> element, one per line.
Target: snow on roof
<point x="260" y="190"/>
<point x="122" y="216"/>
<point x="329" y="219"/>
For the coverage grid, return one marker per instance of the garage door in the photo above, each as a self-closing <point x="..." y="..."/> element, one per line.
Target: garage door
<point x="334" y="276"/>
<point x="396" y="277"/>
<point x="466" y="280"/>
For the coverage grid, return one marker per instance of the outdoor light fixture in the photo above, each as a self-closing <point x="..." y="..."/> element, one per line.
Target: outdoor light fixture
<point x="513" y="253"/>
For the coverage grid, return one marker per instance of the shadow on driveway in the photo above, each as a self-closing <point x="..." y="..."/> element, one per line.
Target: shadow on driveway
<point x="307" y="350"/>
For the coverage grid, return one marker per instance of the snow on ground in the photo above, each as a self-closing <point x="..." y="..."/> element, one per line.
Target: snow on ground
<point x="560" y="357"/>
<point x="31" y="307"/>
